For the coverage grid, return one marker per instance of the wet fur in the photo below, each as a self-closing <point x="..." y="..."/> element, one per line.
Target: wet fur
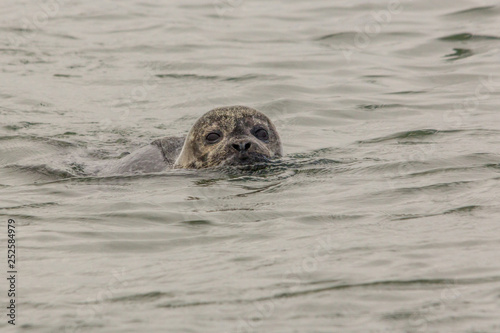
<point x="236" y="124"/>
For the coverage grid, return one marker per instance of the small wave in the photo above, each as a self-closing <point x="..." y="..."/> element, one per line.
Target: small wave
<point x="146" y="28"/>
<point x="434" y="187"/>
<point x="12" y="51"/>
<point x="280" y="169"/>
<point x="151" y="296"/>
<point x="462" y="163"/>
<point x="378" y="106"/>
<point x="390" y="284"/>
<point x="406" y="134"/>
<point x="465" y="36"/>
<point x="197" y="222"/>
<point x="464" y="209"/>
<point x="43" y="169"/>
<point x="245" y="77"/>
<point x="408" y="92"/>
<point x="34" y="205"/>
<point x="426" y="132"/>
<point x="185" y="305"/>
<point x="458" y="210"/>
<point x="18" y="126"/>
<point x="476" y="11"/>
<point x="54" y="142"/>
<point x="188" y="76"/>
<point x="66" y="75"/>
<point x="459" y="54"/>
<point x="339" y="36"/>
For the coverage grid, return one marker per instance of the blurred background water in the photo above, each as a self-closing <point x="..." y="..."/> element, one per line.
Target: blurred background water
<point x="382" y="217"/>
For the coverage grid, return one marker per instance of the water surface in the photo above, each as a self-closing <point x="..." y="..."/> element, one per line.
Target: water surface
<point x="382" y="217"/>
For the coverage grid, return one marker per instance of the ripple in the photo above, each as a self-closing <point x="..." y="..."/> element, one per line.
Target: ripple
<point x="378" y="106"/>
<point x="43" y="169"/>
<point x="464" y="209"/>
<point x="338" y="36"/>
<point x="439" y="170"/>
<point x="406" y="134"/>
<point x="51" y="141"/>
<point x="246" y="77"/>
<point x="459" y="54"/>
<point x="422" y="133"/>
<point x="459" y="210"/>
<point x="189" y="76"/>
<point x="476" y="12"/>
<point x="467" y="37"/>
<point x="416" y="284"/>
<point x="66" y="75"/>
<point x="433" y="187"/>
<point x="146" y="297"/>
<point x="34" y="205"/>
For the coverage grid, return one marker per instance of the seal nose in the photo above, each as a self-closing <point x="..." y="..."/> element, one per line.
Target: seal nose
<point x="241" y="146"/>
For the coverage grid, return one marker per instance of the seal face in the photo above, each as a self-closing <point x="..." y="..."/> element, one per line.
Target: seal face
<point x="234" y="135"/>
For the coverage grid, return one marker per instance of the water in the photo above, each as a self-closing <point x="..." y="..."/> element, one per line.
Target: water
<point x="382" y="217"/>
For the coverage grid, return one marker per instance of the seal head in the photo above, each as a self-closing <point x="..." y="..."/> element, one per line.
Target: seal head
<point x="234" y="135"/>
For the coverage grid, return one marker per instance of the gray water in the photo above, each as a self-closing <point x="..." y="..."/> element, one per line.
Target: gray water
<point x="383" y="216"/>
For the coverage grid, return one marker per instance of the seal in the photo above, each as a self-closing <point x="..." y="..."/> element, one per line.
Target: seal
<point x="225" y="136"/>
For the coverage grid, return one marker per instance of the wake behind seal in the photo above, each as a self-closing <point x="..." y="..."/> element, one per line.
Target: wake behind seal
<point x="225" y="136"/>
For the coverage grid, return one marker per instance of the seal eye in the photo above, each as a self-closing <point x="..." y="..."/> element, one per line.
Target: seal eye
<point x="261" y="134"/>
<point x="213" y="137"/>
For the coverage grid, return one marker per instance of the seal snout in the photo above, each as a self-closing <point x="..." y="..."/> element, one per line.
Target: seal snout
<point x="244" y="150"/>
<point x="242" y="146"/>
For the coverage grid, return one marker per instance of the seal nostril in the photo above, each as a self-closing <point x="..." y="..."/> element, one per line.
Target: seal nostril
<point x="247" y="145"/>
<point x="236" y="146"/>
